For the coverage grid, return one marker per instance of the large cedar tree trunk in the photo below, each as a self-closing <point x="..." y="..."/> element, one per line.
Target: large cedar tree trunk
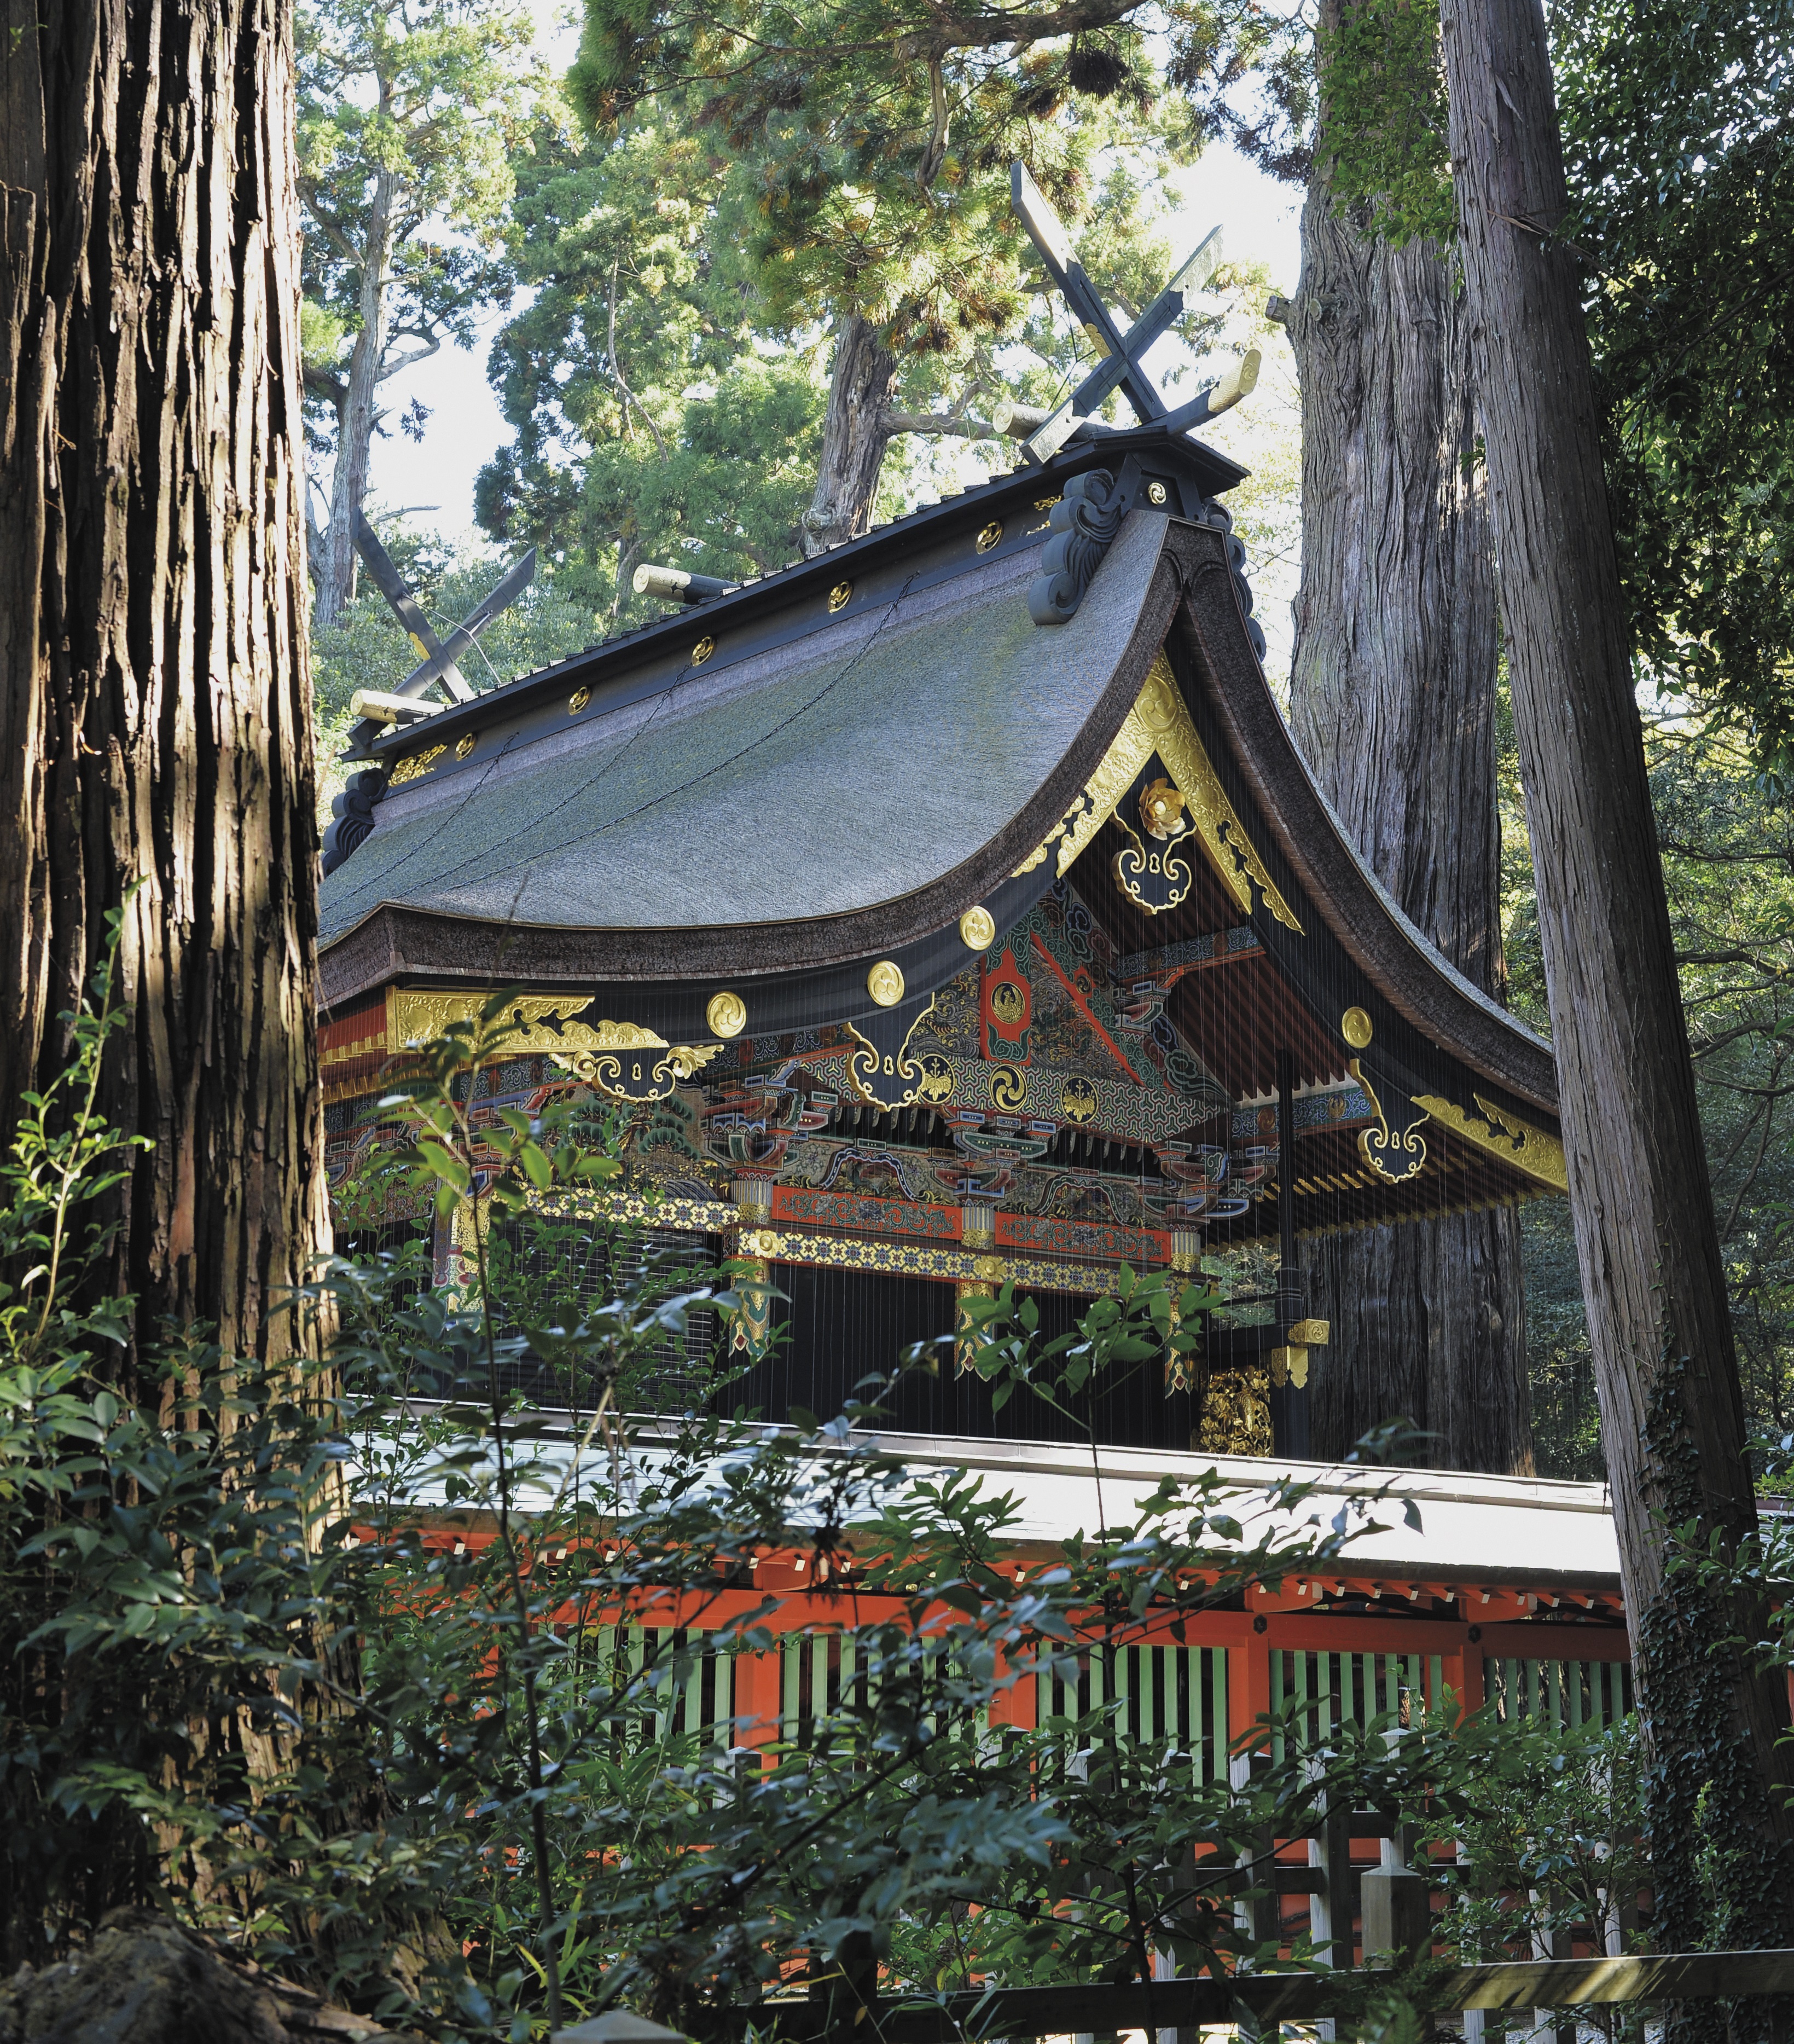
<point x="861" y="388"/>
<point x="1672" y="1415"/>
<point x="154" y="693"/>
<point x="359" y="411"/>
<point x="1392" y="695"/>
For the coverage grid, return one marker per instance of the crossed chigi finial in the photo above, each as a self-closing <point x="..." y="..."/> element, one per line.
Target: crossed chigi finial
<point x="1120" y="367"/>
<point x="376" y="709"/>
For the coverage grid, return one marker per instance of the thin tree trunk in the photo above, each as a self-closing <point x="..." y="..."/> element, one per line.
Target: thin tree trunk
<point x="861" y="388"/>
<point x="360" y="412"/>
<point x="155" y="713"/>
<point x="1672" y="1413"/>
<point x="1392" y="697"/>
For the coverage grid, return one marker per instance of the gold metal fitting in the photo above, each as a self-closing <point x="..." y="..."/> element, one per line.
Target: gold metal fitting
<point x="989" y="535"/>
<point x="577" y="701"/>
<point x="727" y="1014"/>
<point x="1354" y="1026"/>
<point x="1155" y="492"/>
<point x="841" y="595"/>
<point x="703" y="651"/>
<point x="978" y="929"/>
<point x="465" y="746"/>
<point x="885" y="983"/>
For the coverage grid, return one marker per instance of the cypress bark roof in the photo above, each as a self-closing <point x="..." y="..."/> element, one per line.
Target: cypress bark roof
<point x="845" y="769"/>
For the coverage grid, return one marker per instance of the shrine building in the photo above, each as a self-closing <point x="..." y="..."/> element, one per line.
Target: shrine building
<point x="953" y="910"/>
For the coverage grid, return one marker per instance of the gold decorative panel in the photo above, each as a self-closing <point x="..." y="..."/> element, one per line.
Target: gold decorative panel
<point x="1501" y="1133"/>
<point x="620" y="1058"/>
<point x="1160" y="723"/>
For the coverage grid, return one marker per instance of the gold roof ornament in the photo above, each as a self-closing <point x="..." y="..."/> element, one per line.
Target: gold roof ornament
<point x="885" y="983"/>
<point x="978" y="929"/>
<point x="727" y="1014"/>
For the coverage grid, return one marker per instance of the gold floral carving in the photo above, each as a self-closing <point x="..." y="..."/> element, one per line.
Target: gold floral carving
<point x="1502" y="1134"/>
<point x="1236" y="1413"/>
<point x="1160" y="723"/>
<point x="417" y="766"/>
<point x="1077" y="1101"/>
<point x="621" y="1059"/>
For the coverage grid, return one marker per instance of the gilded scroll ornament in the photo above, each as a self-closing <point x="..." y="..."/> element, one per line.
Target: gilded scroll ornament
<point x="1501" y="1133"/>
<point x="620" y="1058"/>
<point x="417" y="766"/>
<point x="1160" y="723"/>
<point x="1394" y="1156"/>
<point x="635" y="1074"/>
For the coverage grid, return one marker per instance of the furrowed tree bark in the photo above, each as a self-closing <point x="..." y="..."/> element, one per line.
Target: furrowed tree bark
<point x="1392" y="697"/>
<point x="861" y="386"/>
<point x="1672" y="1415"/>
<point x="155" y="686"/>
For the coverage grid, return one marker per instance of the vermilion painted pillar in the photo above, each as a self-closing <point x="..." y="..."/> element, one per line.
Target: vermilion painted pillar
<point x="1249" y="1684"/>
<point x="758" y="1698"/>
<point x="1464" y="1676"/>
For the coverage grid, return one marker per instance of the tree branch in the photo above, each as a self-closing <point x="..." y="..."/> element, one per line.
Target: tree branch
<point x="936" y="423"/>
<point x="321" y="383"/>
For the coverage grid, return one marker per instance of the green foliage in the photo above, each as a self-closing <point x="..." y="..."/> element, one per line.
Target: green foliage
<point x="1383" y="138"/>
<point x="1678" y="123"/>
<point x="1549" y="1825"/>
<point x="415" y="1750"/>
<point x="392" y="1747"/>
<point x="1678" y="129"/>
<point x="409" y="119"/>
<point x="740" y="193"/>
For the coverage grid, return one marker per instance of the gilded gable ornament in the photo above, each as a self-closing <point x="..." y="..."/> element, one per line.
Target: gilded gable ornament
<point x="1156" y="879"/>
<point x="1502" y="1134"/>
<point x="1395" y="1151"/>
<point x="621" y="1059"/>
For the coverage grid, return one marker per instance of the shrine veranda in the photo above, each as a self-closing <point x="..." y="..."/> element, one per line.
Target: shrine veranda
<point x="954" y="910"/>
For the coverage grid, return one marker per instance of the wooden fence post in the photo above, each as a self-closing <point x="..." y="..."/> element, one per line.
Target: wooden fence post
<point x="1397" y="1902"/>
